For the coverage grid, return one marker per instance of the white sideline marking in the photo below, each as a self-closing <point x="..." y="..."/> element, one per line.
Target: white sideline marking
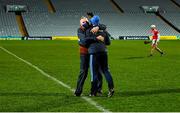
<point x="87" y="99"/>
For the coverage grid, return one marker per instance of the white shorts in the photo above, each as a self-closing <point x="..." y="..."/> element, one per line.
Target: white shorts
<point x="155" y="42"/>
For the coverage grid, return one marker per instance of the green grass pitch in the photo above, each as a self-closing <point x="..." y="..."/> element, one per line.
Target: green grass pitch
<point x="141" y="83"/>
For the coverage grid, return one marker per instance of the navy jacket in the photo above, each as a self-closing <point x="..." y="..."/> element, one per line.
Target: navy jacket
<point x="88" y="39"/>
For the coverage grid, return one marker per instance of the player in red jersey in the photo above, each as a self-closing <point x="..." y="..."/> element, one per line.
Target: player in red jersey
<point x="155" y="40"/>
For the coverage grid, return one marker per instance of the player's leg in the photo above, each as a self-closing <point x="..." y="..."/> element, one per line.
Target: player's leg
<point x="153" y="45"/>
<point x="158" y="49"/>
<point x="94" y="69"/>
<point x="100" y="82"/>
<point x="84" y="65"/>
<point x="103" y="61"/>
<point x="109" y="35"/>
<point x="152" y="50"/>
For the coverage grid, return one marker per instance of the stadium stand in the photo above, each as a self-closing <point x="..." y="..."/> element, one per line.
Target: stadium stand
<point x="8" y="25"/>
<point x="11" y="27"/>
<point x="178" y="1"/>
<point x="135" y="24"/>
<point x="33" y="5"/>
<point x="133" y="6"/>
<point x="1" y="8"/>
<point x="174" y="18"/>
<point x="102" y="6"/>
<point x="47" y="24"/>
<point x="65" y="21"/>
<point x="120" y="25"/>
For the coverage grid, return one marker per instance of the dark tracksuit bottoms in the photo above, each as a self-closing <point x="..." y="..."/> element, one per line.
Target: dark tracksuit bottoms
<point x="98" y="60"/>
<point x="84" y="65"/>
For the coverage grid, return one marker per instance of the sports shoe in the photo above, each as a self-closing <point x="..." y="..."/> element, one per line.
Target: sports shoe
<point x="99" y="93"/>
<point x="111" y="92"/>
<point x="162" y="54"/>
<point x="112" y="38"/>
<point x="92" y="95"/>
<point x="150" y="55"/>
<point x="77" y="94"/>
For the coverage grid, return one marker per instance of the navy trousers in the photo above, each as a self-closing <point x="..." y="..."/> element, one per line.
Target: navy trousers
<point x="99" y="61"/>
<point x="84" y="65"/>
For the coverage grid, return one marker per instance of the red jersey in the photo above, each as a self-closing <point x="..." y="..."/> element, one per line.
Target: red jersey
<point x="155" y="33"/>
<point x="83" y="50"/>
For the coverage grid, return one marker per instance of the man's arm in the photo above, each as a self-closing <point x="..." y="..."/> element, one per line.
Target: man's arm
<point x="97" y="28"/>
<point x="81" y="35"/>
<point x="83" y="40"/>
<point x="107" y="40"/>
<point x="102" y="27"/>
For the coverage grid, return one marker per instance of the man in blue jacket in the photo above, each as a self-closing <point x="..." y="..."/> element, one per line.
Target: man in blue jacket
<point x="90" y="15"/>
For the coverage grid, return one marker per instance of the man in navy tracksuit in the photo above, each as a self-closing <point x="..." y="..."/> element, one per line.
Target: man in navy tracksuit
<point x="90" y="15"/>
<point x="84" y="59"/>
<point x="96" y="44"/>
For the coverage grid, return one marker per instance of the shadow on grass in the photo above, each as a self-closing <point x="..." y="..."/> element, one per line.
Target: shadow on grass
<point x="122" y="94"/>
<point x="31" y="94"/>
<point x="131" y="58"/>
<point x="149" y="92"/>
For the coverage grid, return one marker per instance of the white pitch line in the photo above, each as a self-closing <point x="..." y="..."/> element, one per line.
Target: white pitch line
<point x="87" y="99"/>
